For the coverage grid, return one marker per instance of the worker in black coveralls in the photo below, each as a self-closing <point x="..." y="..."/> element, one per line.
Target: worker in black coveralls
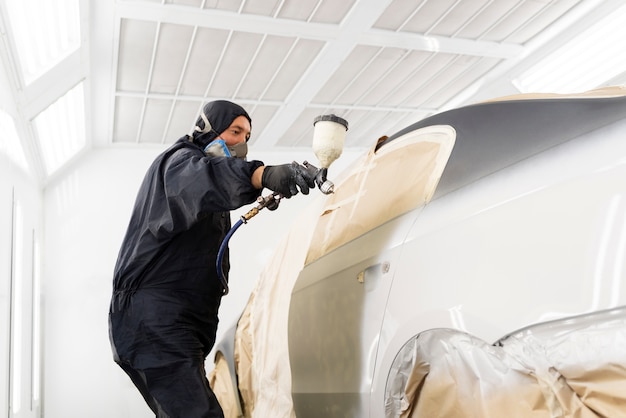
<point x="166" y="292"/>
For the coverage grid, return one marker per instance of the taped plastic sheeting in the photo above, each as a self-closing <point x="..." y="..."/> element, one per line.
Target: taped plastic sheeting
<point x="243" y="361"/>
<point x="220" y="382"/>
<point x="574" y="367"/>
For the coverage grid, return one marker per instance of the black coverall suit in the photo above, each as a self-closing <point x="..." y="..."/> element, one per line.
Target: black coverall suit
<point x="166" y="294"/>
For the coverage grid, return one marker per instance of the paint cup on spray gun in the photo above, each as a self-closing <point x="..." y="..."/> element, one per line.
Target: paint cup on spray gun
<point x="329" y="133"/>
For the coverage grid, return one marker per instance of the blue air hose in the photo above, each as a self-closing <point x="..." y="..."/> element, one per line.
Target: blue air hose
<point x="220" y="256"/>
<point x="270" y="202"/>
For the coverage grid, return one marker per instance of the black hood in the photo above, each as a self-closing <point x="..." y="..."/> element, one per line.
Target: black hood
<point x="219" y="114"/>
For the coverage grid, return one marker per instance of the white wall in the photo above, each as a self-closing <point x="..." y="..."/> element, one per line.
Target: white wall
<point x="20" y="232"/>
<point x="85" y="216"/>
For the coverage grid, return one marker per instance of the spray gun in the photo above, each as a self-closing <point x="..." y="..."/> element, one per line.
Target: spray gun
<point x="328" y="136"/>
<point x="329" y="132"/>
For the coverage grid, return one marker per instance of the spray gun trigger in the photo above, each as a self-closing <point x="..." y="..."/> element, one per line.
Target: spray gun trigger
<point x="312" y="170"/>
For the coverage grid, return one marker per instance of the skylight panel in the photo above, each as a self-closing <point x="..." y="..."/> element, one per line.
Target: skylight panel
<point x="45" y="32"/>
<point x="10" y="144"/>
<point x="61" y="129"/>
<point x="589" y="60"/>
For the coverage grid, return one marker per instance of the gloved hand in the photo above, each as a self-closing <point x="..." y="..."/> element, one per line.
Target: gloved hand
<point x="284" y="178"/>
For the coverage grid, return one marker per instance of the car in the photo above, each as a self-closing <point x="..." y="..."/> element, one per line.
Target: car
<point x="470" y="264"/>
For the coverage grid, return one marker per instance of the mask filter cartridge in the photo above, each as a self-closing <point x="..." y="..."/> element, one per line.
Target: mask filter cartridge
<point x="217" y="148"/>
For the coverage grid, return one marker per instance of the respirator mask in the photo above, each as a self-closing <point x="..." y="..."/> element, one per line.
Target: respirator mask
<point x="218" y="148"/>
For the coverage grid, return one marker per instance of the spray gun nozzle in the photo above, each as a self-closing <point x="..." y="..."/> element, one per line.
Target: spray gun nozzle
<point x="326" y="186"/>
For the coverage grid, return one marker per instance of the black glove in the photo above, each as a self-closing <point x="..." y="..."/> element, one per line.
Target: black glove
<point x="284" y="178"/>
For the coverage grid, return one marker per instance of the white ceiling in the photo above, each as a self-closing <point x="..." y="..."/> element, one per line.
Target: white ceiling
<point x="149" y="65"/>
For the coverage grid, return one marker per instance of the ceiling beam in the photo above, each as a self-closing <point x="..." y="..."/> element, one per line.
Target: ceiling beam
<point x="360" y="18"/>
<point x="364" y="34"/>
<point x="102" y="41"/>
<point x="53" y="84"/>
<point x="431" y="43"/>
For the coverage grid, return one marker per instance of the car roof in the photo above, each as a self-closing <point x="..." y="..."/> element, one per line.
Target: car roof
<point x="493" y="135"/>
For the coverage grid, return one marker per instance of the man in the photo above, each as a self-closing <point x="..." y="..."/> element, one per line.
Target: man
<point x="166" y="292"/>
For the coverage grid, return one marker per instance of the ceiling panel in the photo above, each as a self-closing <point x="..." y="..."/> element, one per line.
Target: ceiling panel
<point x="514" y="19"/>
<point x="262" y="114"/>
<point x="271" y="54"/>
<point x="135" y="54"/>
<point x="170" y="58"/>
<point x="426" y="16"/>
<point x="154" y="121"/>
<point x="204" y="57"/>
<point x="402" y="120"/>
<point x="369" y="74"/>
<point x="262" y="7"/>
<point x="461" y="79"/>
<point x="330" y="11"/>
<point x="192" y="3"/>
<point x="181" y="121"/>
<point x="300" y="133"/>
<point x="226" y="5"/>
<point x="234" y="63"/>
<point x="542" y="20"/>
<point x="293" y="68"/>
<point x="126" y="120"/>
<point x="447" y="82"/>
<point x="401" y="80"/>
<point x="396" y="14"/>
<point x="429" y="78"/>
<point x="457" y="16"/>
<point x="481" y="24"/>
<point x="519" y="21"/>
<point x="367" y="126"/>
<point x="346" y="74"/>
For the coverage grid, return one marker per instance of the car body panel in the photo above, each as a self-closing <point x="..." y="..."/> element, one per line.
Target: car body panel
<point x="523" y="223"/>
